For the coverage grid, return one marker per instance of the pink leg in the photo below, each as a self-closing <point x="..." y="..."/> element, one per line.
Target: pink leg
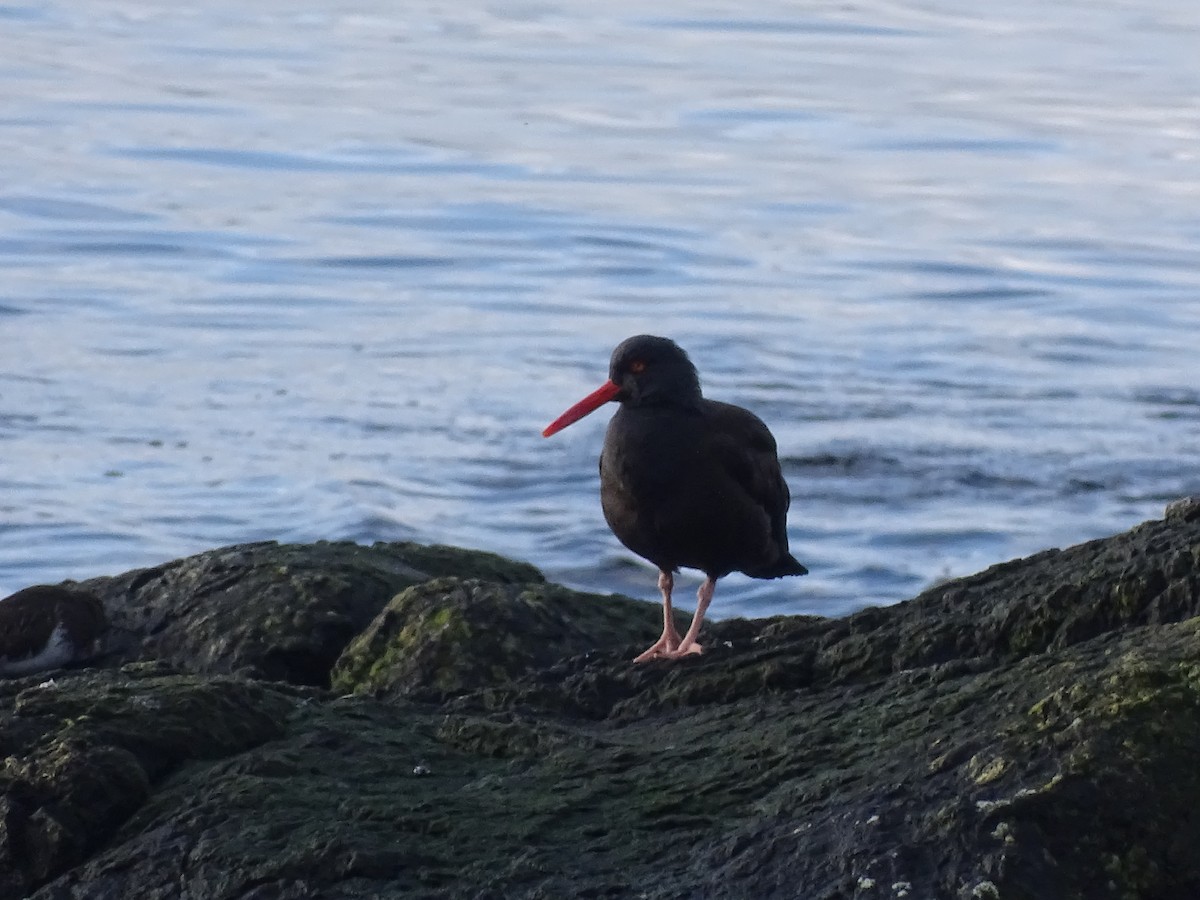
<point x="688" y="645"/>
<point x="669" y="640"/>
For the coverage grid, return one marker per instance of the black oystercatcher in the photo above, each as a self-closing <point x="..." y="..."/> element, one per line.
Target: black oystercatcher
<point x="686" y="481"/>
<point x="44" y="627"/>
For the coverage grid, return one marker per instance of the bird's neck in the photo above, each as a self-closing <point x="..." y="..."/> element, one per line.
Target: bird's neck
<point x="690" y="403"/>
<point x="679" y="389"/>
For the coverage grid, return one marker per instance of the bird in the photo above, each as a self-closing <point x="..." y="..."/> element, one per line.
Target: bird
<point x="45" y="627"/>
<point x="686" y="482"/>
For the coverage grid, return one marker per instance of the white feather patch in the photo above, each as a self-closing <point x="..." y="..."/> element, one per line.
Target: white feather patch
<point x="57" y="652"/>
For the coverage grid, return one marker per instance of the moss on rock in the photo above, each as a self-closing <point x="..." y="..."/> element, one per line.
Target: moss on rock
<point x="451" y="635"/>
<point x="276" y="611"/>
<point x="82" y="752"/>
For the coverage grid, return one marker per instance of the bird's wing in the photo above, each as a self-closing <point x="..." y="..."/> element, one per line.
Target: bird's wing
<point x="747" y="452"/>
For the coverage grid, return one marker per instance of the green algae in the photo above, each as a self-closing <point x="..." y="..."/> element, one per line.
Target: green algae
<point x="451" y="635"/>
<point x="275" y="611"/>
<point x="84" y="753"/>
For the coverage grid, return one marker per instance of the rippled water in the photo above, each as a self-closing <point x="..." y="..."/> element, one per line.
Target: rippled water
<point x="301" y="271"/>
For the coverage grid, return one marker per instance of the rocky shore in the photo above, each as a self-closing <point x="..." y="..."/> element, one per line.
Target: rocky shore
<point x="340" y="721"/>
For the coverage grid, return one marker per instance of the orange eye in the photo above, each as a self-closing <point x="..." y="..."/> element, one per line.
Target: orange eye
<point x="637" y="367"/>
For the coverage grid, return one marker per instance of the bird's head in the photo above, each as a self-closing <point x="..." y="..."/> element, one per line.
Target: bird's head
<point x="644" y="371"/>
<point x="653" y="371"/>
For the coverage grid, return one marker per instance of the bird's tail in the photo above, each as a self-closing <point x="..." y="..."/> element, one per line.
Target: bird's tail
<point x="785" y="565"/>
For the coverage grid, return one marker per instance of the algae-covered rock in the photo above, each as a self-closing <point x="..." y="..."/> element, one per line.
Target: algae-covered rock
<point x="1050" y="601"/>
<point x="452" y="635"/>
<point x="266" y="610"/>
<point x="1026" y="733"/>
<point x="1018" y="779"/>
<point x="82" y="752"/>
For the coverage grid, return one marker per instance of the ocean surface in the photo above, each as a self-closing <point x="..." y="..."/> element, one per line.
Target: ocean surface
<point x="303" y="271"/>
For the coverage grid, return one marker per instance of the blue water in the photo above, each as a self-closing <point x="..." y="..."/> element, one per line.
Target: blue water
<point x="298" y="271"/>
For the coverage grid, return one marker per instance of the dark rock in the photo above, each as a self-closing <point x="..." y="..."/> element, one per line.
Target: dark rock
<point x="1029" y="732"/>
<point x="266" y="610"/>
<point x="452" y="635"/>
<point x="1185" y="509"/>
<point x="84" y="751"/>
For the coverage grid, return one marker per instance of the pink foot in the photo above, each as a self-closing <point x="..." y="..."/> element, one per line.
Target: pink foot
<point x="663" y="648"/>
<point x="669" y="646"/>
<point x="669" y="641"/>
<point x="692" y="649"/>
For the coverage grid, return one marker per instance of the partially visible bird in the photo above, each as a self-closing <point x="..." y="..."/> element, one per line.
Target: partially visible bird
<point x="45" y="627"/>
<point x="684" y="481"/>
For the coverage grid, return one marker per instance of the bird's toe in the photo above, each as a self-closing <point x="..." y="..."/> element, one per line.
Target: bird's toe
<point x="692" y="649"/>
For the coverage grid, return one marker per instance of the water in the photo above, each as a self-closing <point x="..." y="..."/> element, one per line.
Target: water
<point x="302" y="271"/>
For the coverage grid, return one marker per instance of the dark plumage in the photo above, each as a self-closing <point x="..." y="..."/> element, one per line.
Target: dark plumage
<point x="686" y="482"/>
<point x="45" y="627"/>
